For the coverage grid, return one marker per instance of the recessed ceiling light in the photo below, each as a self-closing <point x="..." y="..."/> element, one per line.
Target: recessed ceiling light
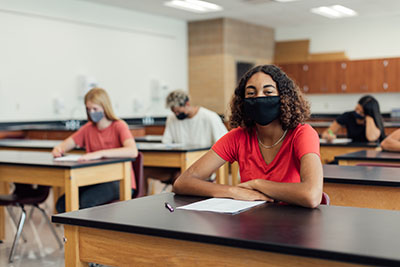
<point x="334" y="12"/>
<point x="196" y="6"/>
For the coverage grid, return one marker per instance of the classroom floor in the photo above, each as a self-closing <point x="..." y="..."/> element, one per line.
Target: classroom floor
<point x="40" y="250"/>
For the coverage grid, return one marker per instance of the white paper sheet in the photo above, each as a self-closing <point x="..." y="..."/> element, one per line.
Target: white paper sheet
<point x="221" y="205"/>
<point x="68" y="158"/>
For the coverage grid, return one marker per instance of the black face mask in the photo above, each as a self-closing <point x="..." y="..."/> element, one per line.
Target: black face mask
<point x="358" y="116"/>
<point x="181" y="116"/>
<point x="263" y="110"/>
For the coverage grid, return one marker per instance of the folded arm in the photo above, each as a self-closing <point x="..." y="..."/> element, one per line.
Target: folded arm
<point x="193" y="181"/>
<point x="307" y="193"/>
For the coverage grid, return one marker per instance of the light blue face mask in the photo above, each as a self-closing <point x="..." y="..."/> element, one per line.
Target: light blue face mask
<point x="96" y="116"/>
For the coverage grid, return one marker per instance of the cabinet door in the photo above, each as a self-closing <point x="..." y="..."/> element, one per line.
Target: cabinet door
<point x="342" y="76"/>
<point x="293" y="71"/>
<point x="320" y="77"/>
<point x="391" y="76"/>
<point x="363" y="76"/>
<point x="309" y="82"/>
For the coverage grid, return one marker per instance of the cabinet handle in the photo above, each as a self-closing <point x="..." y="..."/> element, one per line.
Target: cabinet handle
<point x="344" y="87"/>
<point x="385" y="86"/>
<point x="305" y="88"/>
<point x="305" y="67"/>
<point x="343" y="65"/>
<point x="385" y="63"/>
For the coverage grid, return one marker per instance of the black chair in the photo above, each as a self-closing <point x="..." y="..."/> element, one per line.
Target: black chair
<point x="139" y="176"/>
<point x="25" y="194"/>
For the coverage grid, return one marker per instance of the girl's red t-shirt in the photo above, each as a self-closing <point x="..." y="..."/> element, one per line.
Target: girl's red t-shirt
<point x="242" y="146"/>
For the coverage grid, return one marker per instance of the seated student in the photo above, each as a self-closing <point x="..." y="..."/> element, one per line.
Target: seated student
<point x="103" y="136"/>
<point x="392" y="142"/>
<point x="278" y="155"/>
<point x="187" y="124"/>
<point x="364" y="124"/>
<point x="191" y="124"/>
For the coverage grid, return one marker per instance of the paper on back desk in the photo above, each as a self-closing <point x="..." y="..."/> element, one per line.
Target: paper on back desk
<point x="68" y="158"/>
<point x="222" y="205"/>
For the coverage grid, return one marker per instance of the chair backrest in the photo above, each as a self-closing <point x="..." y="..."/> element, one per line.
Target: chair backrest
<point x="325" y="199"/>
<point x="378" y="164"/>
<point x="139" y="176"/>
<point x="29" y="194"/>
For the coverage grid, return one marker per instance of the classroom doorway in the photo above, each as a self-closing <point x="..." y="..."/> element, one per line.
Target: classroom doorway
<point x="242" y="68"/>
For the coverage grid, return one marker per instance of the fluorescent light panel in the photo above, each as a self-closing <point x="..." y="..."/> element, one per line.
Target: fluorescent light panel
<point x="196" y="6"/>
<point x="334" y="12"/>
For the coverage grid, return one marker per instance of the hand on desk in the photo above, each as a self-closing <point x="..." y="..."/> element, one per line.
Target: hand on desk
<point x="244" y="192"/>
<point x="91" y="156"/>
<point x="57" y="152"/>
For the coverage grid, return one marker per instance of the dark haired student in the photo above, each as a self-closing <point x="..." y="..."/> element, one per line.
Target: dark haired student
<point x="278" y="154"/>
<point x="364" y="124"/>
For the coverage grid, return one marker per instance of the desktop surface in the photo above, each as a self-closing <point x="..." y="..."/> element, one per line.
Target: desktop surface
<point x="370" y="155"/>
<point x="356" y="235"/>
<point x="46" y="159"/>
<point x="362" y="175"/>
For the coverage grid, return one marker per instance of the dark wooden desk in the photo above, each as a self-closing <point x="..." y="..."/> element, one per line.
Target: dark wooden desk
<point x="40" y="168"/>
<point x="368" y="156"/>
<point x="329" y="151"/>
<point x="363" y="186"/>
<point x="162" y="155"/>
<point x="143" y="232"/>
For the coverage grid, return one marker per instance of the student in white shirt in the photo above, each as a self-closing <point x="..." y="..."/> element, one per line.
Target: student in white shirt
<point x="191" y="125"/>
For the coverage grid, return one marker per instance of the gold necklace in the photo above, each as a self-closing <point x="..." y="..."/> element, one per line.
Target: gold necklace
<point x="277" y="142"/>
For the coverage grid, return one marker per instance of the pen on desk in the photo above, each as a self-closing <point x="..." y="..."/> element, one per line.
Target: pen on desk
<point x="169" y="207"/>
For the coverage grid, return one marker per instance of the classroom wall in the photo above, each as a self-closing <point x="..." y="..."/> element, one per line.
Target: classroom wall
<point x="375" y="38"/>
<point x="49" y="50"/>
<point x="215" y="46"/>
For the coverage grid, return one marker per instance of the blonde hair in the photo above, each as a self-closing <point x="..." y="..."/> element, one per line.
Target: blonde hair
<point x="100" y="97"/>
<point x="177" y="98"/>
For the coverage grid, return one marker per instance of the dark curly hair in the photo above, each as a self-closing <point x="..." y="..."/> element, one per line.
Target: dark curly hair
<point x="294" y="108"/>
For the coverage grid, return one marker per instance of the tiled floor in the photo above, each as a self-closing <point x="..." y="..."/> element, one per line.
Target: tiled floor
<point x="39" y="251"/>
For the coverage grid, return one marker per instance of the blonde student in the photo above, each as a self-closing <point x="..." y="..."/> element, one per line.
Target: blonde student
<point x="103" y="136"/>
<point x="278" y="154"/>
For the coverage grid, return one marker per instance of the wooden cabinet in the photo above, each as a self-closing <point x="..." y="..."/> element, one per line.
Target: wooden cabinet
<point x="391" y="74"/>
<point x="349" y="76"/>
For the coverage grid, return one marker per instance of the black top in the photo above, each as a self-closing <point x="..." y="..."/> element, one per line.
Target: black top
<point x="355" y="131"/>
<point x="371" y="155"/>
<point x="46" y="159"/>
<point x="363" y="175"/>
<point x="359" y="235"/>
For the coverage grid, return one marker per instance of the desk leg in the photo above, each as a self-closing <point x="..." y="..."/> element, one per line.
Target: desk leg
<point x="125" y="186"/>
<point x="71" y="193"/>
<point x="72" y="257"/>
<point x="222" y="174"/>
<point x="3" y="190"/>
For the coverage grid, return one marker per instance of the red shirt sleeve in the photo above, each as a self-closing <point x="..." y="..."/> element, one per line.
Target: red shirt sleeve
<point x="123" y="131"/>
<point x="306" y="141"/>
<point x="79" y="136"/>
<point x="227" y="146"/>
